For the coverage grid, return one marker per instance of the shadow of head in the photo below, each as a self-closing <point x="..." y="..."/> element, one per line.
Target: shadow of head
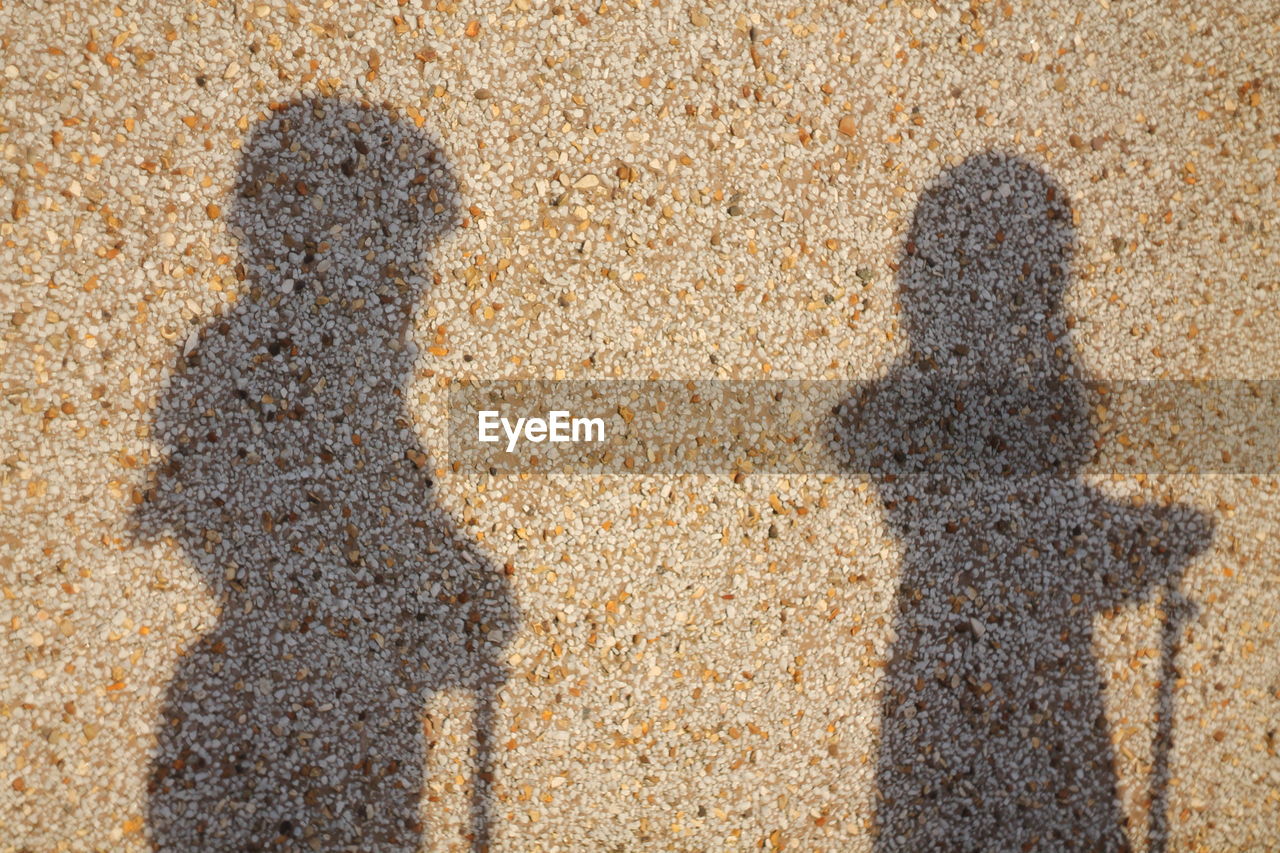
<point x="330" y="192"/>
<point x="984" y="268"/>
<point x="989" y="384"/>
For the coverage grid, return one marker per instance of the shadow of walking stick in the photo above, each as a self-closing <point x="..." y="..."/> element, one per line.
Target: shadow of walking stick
<point x="1179" y="612"/>
<point x="482" y="772"/>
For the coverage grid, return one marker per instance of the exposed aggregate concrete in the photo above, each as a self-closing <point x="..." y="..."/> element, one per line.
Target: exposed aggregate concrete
<point x="626" y="190"/>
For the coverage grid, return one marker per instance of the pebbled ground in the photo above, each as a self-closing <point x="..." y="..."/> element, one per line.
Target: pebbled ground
<point x="244" y="606"/>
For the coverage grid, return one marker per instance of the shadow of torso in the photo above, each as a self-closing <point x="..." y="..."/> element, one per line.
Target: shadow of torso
<point x="993" y="729"/>
<point x="294" y="482"/>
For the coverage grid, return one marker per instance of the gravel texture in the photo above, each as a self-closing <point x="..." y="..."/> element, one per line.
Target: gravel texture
<point x="247" y="603"/>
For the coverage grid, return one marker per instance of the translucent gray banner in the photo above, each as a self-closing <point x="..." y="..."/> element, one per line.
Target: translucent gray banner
<point x="902" y="426"/>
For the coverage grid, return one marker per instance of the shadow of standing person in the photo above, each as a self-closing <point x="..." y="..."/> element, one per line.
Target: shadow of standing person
<point x="294" y="482"/>
<point x="993" y="729"/>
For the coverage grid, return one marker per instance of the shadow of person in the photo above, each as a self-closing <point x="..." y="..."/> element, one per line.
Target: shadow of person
<point x="993" y="730"/>
<point x="294" y="482"/>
